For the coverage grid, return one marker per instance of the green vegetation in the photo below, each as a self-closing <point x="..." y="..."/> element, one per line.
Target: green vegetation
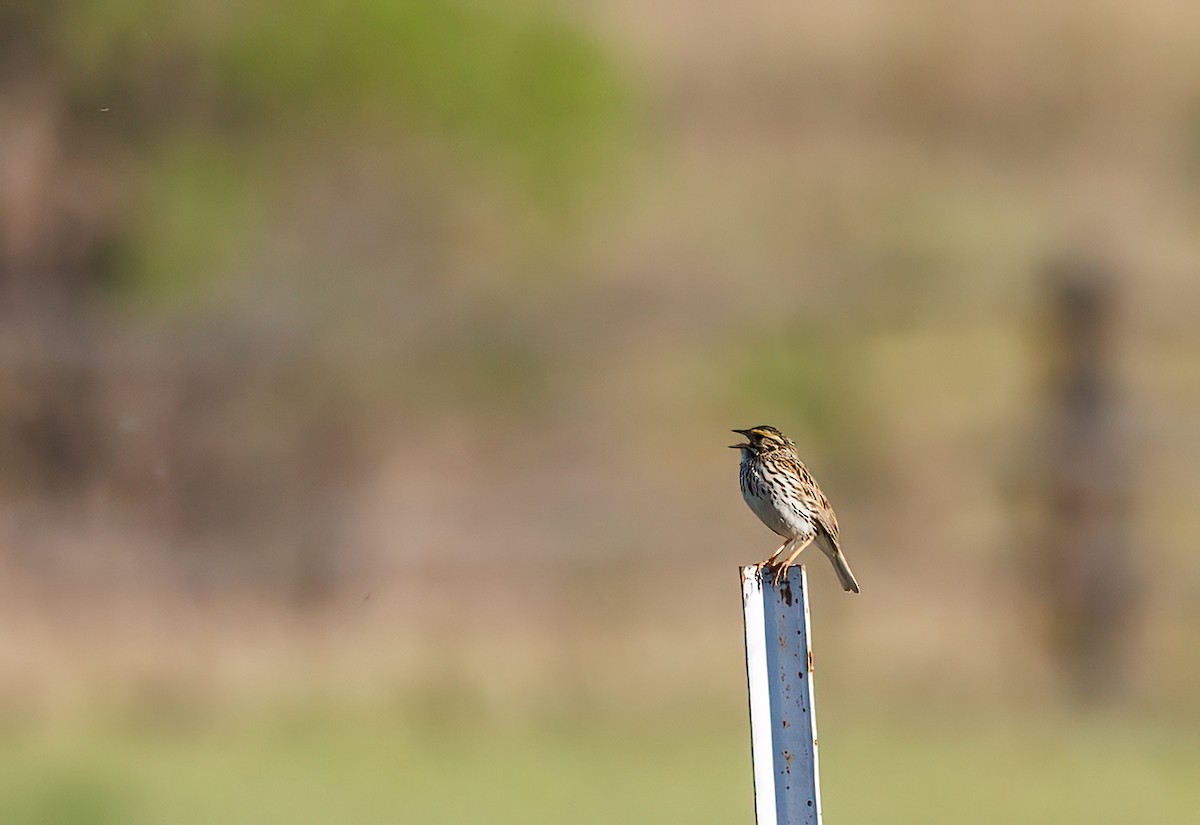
<point x="225" y="107"/>
<point x="197" y="213"/>
<point x="391" y="766"/>
<point x="518" y="78"/>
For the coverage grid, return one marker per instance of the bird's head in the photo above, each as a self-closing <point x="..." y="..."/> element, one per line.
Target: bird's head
<point x="764" y="439"/>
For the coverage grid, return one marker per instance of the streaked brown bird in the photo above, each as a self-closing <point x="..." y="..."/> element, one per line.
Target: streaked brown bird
<point x="783" y="494"/>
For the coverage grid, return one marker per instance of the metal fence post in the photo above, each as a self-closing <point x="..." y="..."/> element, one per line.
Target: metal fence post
<point x="783" y="725"/>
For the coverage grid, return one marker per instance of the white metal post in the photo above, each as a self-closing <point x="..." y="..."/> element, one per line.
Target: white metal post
<point x="783" y="724"/>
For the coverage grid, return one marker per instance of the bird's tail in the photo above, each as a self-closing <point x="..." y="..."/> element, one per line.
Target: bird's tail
<point x="842" y="568"/>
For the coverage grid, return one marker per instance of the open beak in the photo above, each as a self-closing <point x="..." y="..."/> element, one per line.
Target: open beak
<point x="739" y="446"/>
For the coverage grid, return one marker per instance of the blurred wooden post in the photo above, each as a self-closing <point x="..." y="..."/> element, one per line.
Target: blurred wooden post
<point x="783" y="725"/>
<point x="1083" y="562"/>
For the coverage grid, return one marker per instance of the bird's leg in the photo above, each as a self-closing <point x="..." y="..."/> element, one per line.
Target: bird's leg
<point x="771" y="560"/>
<point x="781" y="571"/>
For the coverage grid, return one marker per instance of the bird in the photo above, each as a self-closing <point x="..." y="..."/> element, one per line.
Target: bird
<point x="785" y="497"/>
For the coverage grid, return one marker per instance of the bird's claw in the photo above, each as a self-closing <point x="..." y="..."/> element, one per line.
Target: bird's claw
<point x="777" y="571"/>
<point x="781" y="573"/>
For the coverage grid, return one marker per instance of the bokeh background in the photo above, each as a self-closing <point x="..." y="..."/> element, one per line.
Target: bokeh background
<point x="366" y="373"/>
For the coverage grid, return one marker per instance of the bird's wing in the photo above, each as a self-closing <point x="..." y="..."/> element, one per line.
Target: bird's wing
<point x="826" y="519"/>
<point x="815" y="501"/>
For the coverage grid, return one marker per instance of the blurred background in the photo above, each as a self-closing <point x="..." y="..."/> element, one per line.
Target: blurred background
<point x="367" y="371"/>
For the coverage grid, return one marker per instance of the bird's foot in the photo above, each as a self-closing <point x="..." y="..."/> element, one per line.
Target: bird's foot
<point x="781" y="572"/>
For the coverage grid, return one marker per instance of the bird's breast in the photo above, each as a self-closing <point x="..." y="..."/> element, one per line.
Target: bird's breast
<point x="758" y="495"/>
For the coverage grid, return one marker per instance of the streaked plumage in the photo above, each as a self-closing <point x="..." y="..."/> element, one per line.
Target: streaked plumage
<point x="782" y="493"/>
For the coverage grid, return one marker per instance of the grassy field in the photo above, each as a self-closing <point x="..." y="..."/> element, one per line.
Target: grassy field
<point x="432" y="766"/>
